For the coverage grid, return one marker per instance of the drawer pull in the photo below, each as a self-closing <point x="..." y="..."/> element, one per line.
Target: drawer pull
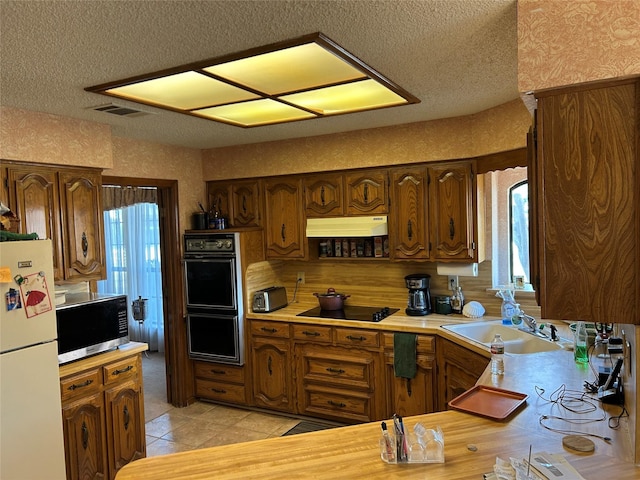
<point x="336" y="404"/>
<point x="311" y="334"/>
<point x="126" y="416"/>
<point x="218" y="390"/>
<point x="218" y="372"/>
<point x="335" y="370"/>
<point x="359" y="339"/>
<point x="79" y="385"/>
<point x="123" y="370"/>
<point x="269" y="330"/>
<point x="85" y="435"/>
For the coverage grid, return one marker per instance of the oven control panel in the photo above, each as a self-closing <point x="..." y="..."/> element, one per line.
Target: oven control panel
<point x="213" y="243"/>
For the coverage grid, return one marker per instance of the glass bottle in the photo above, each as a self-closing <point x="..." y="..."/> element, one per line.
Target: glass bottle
<point x="581" y="343"/>
<point x="497" y="355"/>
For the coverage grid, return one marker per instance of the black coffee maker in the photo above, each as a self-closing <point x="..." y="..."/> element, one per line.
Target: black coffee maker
<point x="419" y="302"/>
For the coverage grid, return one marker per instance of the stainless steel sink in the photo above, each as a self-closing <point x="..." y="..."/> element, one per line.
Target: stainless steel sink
<point x="515" y="341"/>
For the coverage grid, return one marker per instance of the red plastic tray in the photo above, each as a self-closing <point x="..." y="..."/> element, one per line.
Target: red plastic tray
<point x="490" y="402"/>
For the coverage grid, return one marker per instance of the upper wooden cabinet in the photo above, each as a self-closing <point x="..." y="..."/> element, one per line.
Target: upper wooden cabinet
<point x="240" y="201"/>
<point x="408" y="221"/>
<point x="219" y="198"/>
<point x="453" y="212"/>
<point x="324" y="195"/>
<point x="367" y="192"/>
<point x="587" y="201"/>
<point x="285" y="222"/>
<point x="64" y="205"/>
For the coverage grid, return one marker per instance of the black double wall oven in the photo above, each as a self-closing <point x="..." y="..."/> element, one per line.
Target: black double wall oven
<point x="213" y="288"/>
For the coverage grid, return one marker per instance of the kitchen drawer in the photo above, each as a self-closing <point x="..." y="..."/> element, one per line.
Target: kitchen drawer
<point x="120" y="371"/>
<point x="312" y="332"/>
<point x="337" y="404"/>
<point x="337" y="366"/>
<point x="84" y="383"/>
<point x="223" y="392"/>
<point x="361" y="338"/>
<point x="270" y="329"/>
<point x="219" y="372"/>
<point x="425" y="343"/>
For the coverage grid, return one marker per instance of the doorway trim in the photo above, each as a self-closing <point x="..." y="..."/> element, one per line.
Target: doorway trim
<point x="178" y="368"/>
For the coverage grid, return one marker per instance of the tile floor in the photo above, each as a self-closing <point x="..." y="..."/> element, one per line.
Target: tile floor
<point x="200" y="425"/>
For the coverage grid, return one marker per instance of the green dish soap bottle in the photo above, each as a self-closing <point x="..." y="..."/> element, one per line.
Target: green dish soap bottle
<point x="580" y="348"/>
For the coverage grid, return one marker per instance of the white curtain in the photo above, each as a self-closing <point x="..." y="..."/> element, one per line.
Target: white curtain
<point x="133" y="267"/>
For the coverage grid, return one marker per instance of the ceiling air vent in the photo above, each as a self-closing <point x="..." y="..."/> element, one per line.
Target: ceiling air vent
<point x="120" y="110"/>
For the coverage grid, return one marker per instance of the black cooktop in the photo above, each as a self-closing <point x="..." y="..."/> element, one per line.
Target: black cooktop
<point x="351" y="312"/>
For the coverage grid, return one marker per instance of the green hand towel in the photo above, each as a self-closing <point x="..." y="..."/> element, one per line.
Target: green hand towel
<point x="404" y="354"/>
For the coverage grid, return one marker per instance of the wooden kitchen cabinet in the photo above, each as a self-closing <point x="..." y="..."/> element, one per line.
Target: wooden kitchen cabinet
<point x="452" y="212"/>
<point x="246" y="204"/>
<point x="64" y="205"/>
<point x="103" y="416"/>
<point x="414" y="396"/>
<point x="586" y="195"/>
<point x="219" y="199"/>
<point x="338" y="383"/>
<point x="220" y="382"/>
<point x="408" y="219"/>
<point x="367" y="192"/>
<point x="285" y="221"/>
<point x="271" y="366"/>
<point x="458" y="370"/>
<point x="324" y="195"/>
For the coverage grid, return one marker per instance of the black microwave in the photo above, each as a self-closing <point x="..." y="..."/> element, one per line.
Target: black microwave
<point x="89" y="324"/>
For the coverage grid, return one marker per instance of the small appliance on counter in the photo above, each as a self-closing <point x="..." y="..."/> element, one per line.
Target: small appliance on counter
<point x="269" y="299"/>
<point x="419" y="302"/>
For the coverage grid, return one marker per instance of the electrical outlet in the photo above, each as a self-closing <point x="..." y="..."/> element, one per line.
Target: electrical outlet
<point x="300" y="278"/>
<point x="452" y="282"/>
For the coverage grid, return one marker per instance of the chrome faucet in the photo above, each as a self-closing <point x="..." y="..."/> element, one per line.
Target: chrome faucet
<point x="529" y="321"/>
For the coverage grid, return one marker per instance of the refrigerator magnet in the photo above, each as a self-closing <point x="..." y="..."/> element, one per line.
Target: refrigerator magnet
<point x="35" y="294"/>
<point x="12" y="300"/>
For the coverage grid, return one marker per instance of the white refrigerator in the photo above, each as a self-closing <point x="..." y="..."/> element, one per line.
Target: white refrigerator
<point x="31" y="439"/>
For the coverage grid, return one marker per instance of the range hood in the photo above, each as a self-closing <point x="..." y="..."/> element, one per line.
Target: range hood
<point x="347" y="226"/>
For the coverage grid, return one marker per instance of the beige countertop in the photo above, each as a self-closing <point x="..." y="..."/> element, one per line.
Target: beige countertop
<point x="352" y="452"/>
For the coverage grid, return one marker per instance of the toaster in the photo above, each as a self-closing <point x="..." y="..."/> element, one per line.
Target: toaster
<point x="269" y="299"/>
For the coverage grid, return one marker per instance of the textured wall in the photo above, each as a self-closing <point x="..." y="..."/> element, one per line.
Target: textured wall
<point x="564" y="42"/>
<point x="44" y="138"/>
<point x="138" y="159"/>
<point x="498" y="129"/>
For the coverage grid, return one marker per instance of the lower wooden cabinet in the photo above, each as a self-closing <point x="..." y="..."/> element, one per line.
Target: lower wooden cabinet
<point x="459" y="370"/>
<point x="417" y="395"/>
<point x="220" y="382"/>
<point x="103" y="417"/>
<point x="338" y="383"/>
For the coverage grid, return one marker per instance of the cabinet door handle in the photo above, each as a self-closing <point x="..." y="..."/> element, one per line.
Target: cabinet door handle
<point x="269" y="362"/>
<point x="123" y="370"/>
<point x="79" y="385"/>
<point x="366" y="193"/>
<point x="336" y="404"/>
<point x="85" y="435"/>
<point x="310" y="334"/>
<point x="283" y="233"/>
<point x="409" y="229"/>
<point x="335" y="370"/>
<point x="356" y="339"/>
<point x="85" y="245"/>
<point x="244" y="204"/>
<point x="127" y="417"/>
<point x="322" y="196"/>
<point x="269" y="330"/>
<point x="452" y="228"/>
<point x="409" y="391"/>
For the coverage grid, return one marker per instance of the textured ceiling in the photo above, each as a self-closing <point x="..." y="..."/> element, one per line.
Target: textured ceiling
<point x="457" y="56"/>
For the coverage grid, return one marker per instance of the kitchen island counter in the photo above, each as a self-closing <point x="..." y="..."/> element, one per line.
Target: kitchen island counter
<point x="471" y="442"/>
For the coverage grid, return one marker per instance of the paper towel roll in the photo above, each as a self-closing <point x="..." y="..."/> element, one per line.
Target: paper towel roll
<point x="460" y="269"/>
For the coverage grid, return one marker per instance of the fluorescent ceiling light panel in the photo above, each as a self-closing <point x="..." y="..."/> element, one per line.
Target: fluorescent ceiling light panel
<point x="299" y="79"/>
